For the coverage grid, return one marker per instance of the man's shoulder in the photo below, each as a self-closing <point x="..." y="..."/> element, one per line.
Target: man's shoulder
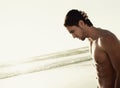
<point x="107" y="36"/>
<point x="108" y="39"/>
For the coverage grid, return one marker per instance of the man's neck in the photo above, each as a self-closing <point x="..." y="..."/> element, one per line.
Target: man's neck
<point x="93" y="33"/>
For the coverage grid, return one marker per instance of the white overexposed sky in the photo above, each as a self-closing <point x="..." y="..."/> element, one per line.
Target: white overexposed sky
<point x="34" y="27"/>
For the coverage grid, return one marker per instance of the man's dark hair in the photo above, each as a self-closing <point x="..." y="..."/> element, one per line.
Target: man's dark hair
<point x="74" y="16"/>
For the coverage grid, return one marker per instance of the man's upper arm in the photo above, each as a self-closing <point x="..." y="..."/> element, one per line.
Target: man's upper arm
<point x="112" y="47"/>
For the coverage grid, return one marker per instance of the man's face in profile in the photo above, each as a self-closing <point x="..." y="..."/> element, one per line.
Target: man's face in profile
<point x="76" y="31"/>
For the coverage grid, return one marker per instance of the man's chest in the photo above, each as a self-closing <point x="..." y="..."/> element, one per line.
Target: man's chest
<point x="97" y="53"/>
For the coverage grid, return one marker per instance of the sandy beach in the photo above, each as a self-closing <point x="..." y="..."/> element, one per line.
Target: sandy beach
<point x="80" y="75"/>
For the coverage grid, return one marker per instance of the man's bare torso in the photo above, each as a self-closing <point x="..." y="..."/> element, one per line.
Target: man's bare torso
<point x="104" y="68"/>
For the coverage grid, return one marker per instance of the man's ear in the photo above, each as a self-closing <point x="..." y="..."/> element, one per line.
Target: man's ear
<point x="81" y="23"/>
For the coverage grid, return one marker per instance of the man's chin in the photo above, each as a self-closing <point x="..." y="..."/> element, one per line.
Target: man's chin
<point x="82" y="39"/>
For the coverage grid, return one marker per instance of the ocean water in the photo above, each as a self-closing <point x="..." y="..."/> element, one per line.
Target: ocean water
<point x="44" y="62"/>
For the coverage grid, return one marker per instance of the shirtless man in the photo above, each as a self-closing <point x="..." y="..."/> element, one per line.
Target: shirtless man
<point x="104" y="47"/>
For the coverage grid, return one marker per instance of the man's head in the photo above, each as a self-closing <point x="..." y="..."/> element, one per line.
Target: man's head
<point x="74" y="16"/>
<point x="76" y="23"/>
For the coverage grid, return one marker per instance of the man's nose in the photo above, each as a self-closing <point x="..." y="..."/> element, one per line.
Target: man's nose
<point x="73" y="36"/>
